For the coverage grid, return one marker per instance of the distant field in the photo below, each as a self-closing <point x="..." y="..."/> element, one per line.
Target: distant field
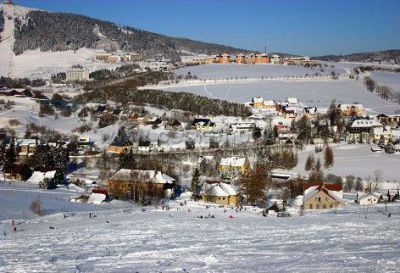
<point x="318" y="93"/>
<point x="222" y="71"/>
<point x="358" y="160"/>
<point x="391" y="79"/>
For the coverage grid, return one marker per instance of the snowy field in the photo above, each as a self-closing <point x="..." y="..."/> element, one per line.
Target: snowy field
<point x="352" y="239"/>
<point x="222" y="71"/>
<point x="318" y="93"/>
<point x="357" y="160"/>
<point x="391" y="79"/>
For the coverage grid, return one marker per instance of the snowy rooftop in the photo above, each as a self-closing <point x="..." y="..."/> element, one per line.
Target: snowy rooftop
<point x="220" y="189"/>
<point x="365" y="123"/>
<point x="233" y="161"/>
<point x="148" y="176"/>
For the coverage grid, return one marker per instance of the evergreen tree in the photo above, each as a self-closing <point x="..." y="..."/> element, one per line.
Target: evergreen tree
<point x="333" y="113"/>
<point x="196" y="184"/>
<point x="317" y="166"/>
<point x="214" y="144"/>
<point x="309" y="163"/>
<point x="10" y="157"/>
<point x="359" y="184"/>
<point x="328" y="155"/>
<point x="127" y="160"/>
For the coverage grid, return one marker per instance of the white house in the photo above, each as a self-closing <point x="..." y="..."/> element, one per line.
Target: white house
<point x="77" y="73"/>
<point x="368" y="199"/>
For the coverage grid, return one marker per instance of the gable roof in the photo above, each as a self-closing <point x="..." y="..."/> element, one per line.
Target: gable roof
<point x="332" y="190"/>
<point x="146" y="176"/>
<point x="220" y="189"/>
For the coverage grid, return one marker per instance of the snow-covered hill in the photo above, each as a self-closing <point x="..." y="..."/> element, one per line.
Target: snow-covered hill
<point x="353" y="239"/>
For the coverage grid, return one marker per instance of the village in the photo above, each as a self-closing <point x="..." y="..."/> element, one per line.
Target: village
<point x="146" y="155"/>
<point x="199" y="136"/>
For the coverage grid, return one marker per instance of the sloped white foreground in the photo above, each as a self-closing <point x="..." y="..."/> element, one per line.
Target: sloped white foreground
<point x="354" y="239"/>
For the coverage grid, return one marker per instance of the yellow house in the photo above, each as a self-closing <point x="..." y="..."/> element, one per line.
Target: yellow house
<point x="355" y="109"/>
<point x="258" y="102"/>
<point x="234" y="164"/>
<point x="322" y="196"/>
<point x="221" y="193"/>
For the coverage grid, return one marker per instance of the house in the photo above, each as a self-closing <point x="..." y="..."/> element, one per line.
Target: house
<point x="262" y="58"/>
<point x="310" y="111"/>
<point x="289" y="112"/>
<point x="77" y="73"/>
<point x="257" y="102"/>
<point x="382" y="133"/>
<point x="368" y="199"/>
<point x="140" y="184"/>
<point x="269" y="104"/>
<point x="355" y="109"/>
<point x="242" y="127"/>
<point x="361" y="129"/>
<point x="219" y="192"/>
<point x="322" y="196"/>
<point x="41" y="178"/>
<point x="113" y="59"/>
<point x="26" y="146"/>
<point x="174" y="125"/>
<point x="275" y="59"/>
<point x="103" y="56"/>
<point x="391" y="120"/>
<point x="234" y="164"/>
<point x="223" y="58"/>
<point x="292" y="101"/>
<point x="203" y="124"/>
<point x="153" y="121"/>
<point x="240" y="59"/>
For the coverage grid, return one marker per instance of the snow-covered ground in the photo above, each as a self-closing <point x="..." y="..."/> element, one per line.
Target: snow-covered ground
<point x="391" y="79"/>
<point x="35" y="63"/>
<point x="318" y="93"/>
<point x="357" y="160"/>
<point x="353" y="239"/>
<point x="223" y="71"/>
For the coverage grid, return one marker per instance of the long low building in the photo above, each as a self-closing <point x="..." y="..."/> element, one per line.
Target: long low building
<point x="140" y="184"/>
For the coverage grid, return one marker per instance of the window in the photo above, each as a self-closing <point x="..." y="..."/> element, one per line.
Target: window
<point x="223" y="198"/>
<point x="319" y="199"/>
<point x="331" y="206"/>
<point x="310" y="206"/>
<point x="324" y="206"/>
<point x="317" y="206"/>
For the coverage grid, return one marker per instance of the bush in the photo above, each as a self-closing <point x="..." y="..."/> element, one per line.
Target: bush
<point x="36" y="207"/>
<point x="46" y="109"/>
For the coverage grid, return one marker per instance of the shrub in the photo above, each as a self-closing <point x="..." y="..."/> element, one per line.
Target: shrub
<point x="36" y="207"/>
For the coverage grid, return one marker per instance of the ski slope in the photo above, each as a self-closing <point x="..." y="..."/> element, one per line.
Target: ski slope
<point x="353" y="239"/>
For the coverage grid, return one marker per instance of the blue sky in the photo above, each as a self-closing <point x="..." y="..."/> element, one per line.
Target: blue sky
<point x="313" y="27"/>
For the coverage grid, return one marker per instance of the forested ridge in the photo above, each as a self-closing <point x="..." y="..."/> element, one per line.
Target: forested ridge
<point x="63" y="31"/>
